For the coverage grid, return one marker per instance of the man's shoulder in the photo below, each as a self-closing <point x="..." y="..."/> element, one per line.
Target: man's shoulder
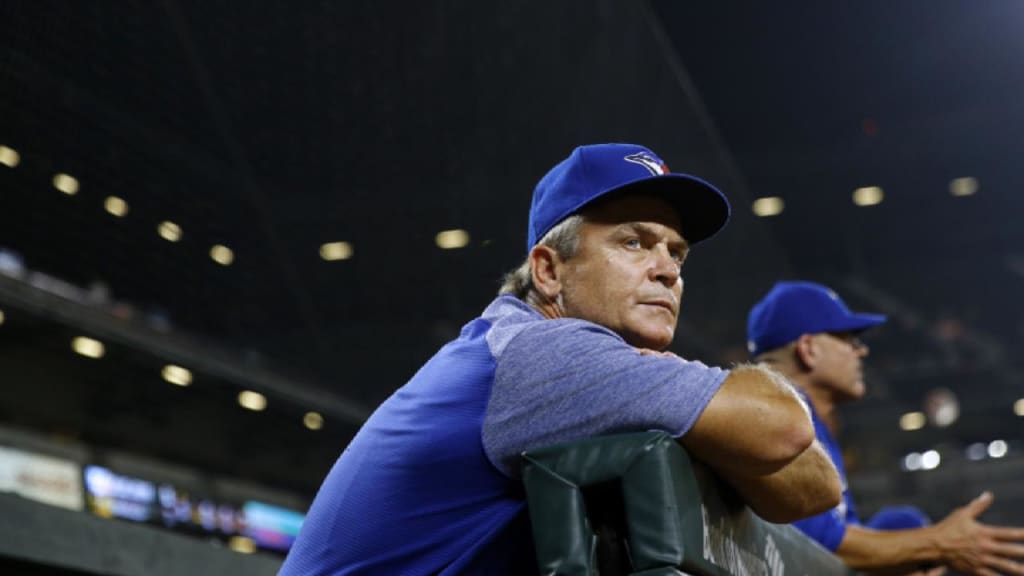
<point x="512" y="319"/>
<point x="508" y="308"/>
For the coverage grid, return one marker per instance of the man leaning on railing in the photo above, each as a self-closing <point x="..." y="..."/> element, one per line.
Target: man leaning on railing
<point x="570" y="349"/>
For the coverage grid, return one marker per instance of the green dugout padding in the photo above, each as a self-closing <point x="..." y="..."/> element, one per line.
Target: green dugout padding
<point x="635" y="504"/>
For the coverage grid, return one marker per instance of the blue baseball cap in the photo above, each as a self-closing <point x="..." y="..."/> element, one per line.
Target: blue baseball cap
<point x="898" y="518"/>
<point x="597" y="170"/>
<point x="792" y="309"/>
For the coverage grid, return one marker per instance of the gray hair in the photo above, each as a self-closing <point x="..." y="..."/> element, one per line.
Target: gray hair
<point x="563" y="238"/>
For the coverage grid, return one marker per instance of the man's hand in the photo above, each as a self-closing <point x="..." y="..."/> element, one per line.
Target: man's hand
<point x="661" y="353"/>
<point x="959" y="542"/>
<point x="972" y="547"/>
<point x="936" y="571"/>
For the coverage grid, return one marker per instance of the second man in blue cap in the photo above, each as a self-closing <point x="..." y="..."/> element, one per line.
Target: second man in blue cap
<point x="805" y="331"/>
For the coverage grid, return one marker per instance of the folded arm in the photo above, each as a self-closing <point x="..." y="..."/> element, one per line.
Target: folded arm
<point x="756" y="433"/>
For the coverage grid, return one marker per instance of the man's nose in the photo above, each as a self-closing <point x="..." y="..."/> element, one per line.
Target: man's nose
<point x="665" y="268"/>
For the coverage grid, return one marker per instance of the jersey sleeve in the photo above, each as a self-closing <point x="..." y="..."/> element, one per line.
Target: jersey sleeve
<point x="827" y="528"/>
<point x="562" y="380"/>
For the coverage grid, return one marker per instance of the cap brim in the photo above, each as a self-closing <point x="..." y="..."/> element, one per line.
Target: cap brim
<point x="859" y="322"/>
<point x="703" y="210"/>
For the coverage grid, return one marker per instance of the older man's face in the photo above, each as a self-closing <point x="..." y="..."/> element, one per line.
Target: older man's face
<point x="626" y="272"/>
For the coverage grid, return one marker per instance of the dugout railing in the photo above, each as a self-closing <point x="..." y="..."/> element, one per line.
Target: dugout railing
<point x="637" y="505"/>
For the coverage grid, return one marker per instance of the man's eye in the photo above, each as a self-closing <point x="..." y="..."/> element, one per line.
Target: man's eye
<point x="633" y="243"/>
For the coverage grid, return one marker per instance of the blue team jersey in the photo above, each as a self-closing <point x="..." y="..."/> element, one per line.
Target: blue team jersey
<point x="828" y="528"/>
<point x="430" y="484"/>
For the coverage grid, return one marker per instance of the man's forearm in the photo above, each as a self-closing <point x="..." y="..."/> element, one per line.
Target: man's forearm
<point x="887" y="552"/>
<point x="806" y="486"/>
<point x="755" y="424"/>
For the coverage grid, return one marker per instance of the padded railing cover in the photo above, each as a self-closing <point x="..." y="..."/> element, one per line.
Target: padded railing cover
<point x="678" y="518"/>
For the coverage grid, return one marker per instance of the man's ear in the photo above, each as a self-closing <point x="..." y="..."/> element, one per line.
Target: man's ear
<point x="546" y="268"/>
<point x="806" y="350"/>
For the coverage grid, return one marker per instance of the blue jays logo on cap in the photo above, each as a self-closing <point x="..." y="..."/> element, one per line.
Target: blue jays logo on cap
<point x="596" y="170"/>
<point x="654" y="164"/>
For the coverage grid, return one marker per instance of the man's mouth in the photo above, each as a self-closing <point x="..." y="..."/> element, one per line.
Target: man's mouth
<point x="662" y="304"/>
